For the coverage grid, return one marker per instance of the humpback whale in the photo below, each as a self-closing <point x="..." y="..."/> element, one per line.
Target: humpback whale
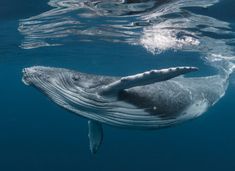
<point x="150" y="100"/>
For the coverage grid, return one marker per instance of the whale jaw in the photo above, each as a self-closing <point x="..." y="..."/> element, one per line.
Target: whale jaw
<point x="34" y="72"/>
<point x="25" y="77"/>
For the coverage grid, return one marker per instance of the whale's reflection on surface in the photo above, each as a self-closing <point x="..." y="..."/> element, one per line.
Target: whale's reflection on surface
<point x="157" y="25"/>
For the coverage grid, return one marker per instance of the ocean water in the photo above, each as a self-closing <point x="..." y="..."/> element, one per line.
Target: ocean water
<point x="114" y="38"/>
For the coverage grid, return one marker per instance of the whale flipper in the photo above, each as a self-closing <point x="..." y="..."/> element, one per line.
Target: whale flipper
<point x="148" y="77"/>
<point x="95" y="135"/>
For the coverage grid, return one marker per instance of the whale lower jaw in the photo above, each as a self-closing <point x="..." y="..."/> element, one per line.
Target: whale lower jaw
<point x="33" y="73"/>
<point x="25" y="79"/>
<point x="25" y="82"/>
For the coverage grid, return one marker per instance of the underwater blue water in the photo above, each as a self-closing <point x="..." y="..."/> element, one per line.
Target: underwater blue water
<point x="38" y="135"/>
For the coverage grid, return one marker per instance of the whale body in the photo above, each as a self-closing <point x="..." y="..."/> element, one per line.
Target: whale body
<point x="149" y="100"/>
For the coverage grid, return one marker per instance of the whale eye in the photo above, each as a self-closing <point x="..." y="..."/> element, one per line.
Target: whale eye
<point x="75" y="77"/>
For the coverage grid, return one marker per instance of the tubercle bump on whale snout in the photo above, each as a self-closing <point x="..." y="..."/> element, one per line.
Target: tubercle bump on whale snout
<point x="30" y="73"/>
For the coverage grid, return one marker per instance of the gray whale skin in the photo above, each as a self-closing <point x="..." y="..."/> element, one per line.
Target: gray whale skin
<point x="149" y="100"/>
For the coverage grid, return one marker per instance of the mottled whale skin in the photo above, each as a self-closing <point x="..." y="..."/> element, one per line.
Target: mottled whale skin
<point x="149" y="100"/>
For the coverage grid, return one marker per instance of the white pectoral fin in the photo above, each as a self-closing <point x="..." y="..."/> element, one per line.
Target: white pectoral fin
<point x="148" y="77"/>
<point x="95" y="135"/>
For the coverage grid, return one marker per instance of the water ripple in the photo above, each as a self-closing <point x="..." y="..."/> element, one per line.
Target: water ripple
<point x="157" y="25"/>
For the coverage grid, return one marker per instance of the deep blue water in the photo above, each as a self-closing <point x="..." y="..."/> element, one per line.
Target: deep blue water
<point x="36" y="134"/>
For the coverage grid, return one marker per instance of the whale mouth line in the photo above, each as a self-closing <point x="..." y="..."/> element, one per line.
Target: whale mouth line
<point x="25" y="77"/>
<point x="31" y="73"/>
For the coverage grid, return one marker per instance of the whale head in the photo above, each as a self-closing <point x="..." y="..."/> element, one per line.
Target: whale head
<point x="39" y="75"/>
<point x="36" y="73"/>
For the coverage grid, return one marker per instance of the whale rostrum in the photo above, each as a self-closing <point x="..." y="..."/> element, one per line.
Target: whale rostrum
<point x="149" y="100"/>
